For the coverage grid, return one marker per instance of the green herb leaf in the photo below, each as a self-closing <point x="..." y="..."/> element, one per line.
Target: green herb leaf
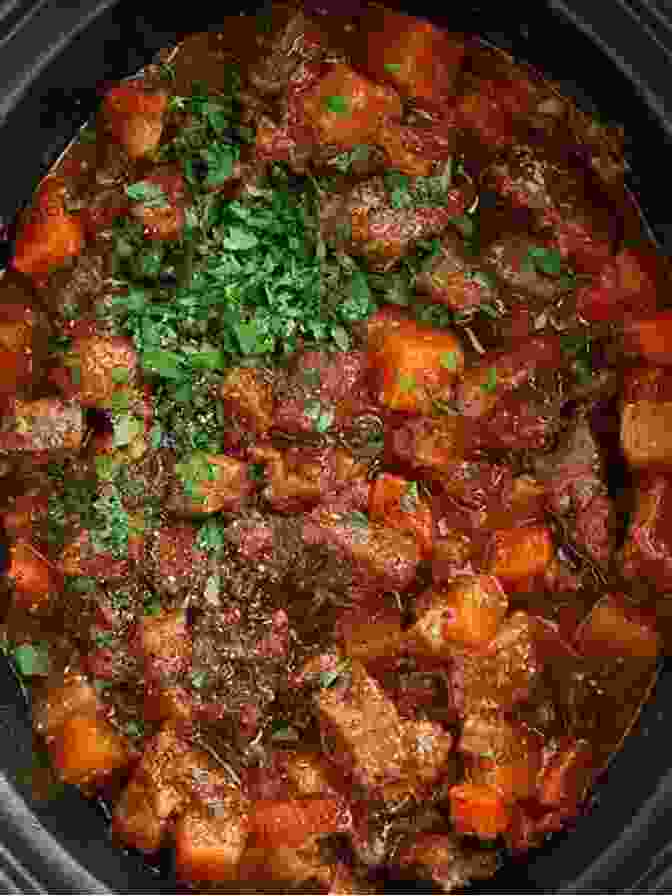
<point x="211" y="535"/>
<point x="31" y="660"/>
<point x="135" y="728"/>
<point x="126" y="430"/>
<point x="407" y="382"/>
<point x="491" y="382"/>
<point x="357" y="519"/>
<point x="339" y="105"/>
<point x="449" y="360"/>
<point x="164" y="363"/>
<point x="392" y="66"/>
<point x="284" y="733"/>
<point x="198" y="679"/>
<point x="148" y="193"/>
<point x="546" y="261"/>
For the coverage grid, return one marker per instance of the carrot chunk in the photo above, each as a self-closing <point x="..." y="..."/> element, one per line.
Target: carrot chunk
<point x="518" y="554"/>
<point x="278" y="823"/>
<point x="395" y="502"/>
<point x="209" y="848"/>
<point x="478" y="809"/>
<point x="135" y="117"/>
<point x="87" y="750"/>
<point x="50" y="236"/>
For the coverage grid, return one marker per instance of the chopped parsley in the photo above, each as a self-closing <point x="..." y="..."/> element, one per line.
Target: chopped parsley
<point x="211" y="536"/>
<point x="579" y="347"/>
<point x="337" y="104"/>
<point x="322" y="416"/>
<point x="198" y="679"/>
<point x="543" y="260"/>
<point x="449" y="360"/>
<point x="407" y="382"/>
<point x="359" y="153"/>
<point x="330" y="677"/>
<point x="149" y="194"/>
<point x="392" y="66"/>
<point x="31" y="660"/>
<point x="490" y="383"/>
<point x="415" y="192"/>
<point x="357" y="519"/>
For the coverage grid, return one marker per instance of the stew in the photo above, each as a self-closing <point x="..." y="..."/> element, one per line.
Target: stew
<point x="336" y="442"/>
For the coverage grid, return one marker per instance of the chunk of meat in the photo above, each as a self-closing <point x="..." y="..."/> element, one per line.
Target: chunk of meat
<point x="647" y="551"/>
<point x="517" y="555"/>
<point x="567" y="774"/>
<point x="616" y="628"/>
<point x="501" y="755"/>
<point x="208" y="848"/>
<point x="177" y="563"/>
<point x="467" y="613"/>
<point x="397" y="503"/>
<point x="484" y="385"/>
<point x="445" y="860"/>
<point x="20" y="329"/>
<point x="413" y="364"/>
<point x="503" y="672"/>
<point x="291" y="823"/>
<point x="36" y="581"/>
<point x="511" y="260"/>
<point x="101" y="367"/>
<point x="371" y="633"/>
<point x="454" y="280"/>
<point x="384" y="224"/>
<point x="248" y="399"/>
<point x="49" y="236"/>
<point x="289" y="868"/>
<point x="46" y="429"/>
<point x="478" y="809"/>
<point x="170" y="775"/>
<point x="413" y="55"/>
<point x="134" y="115"/>
<point x="165" y="644"/>
<point x="162" y="215"/>
<point x="324" y="391"/>
<point x="303" y="476"/>
<point x="492" y="108"/>
<point x="575" y="481"/>
<point x="646" y="434"/>
<point x="381" y="558"/>
<point x="432" y="444"/>
<point x="72" y="694"/>
<point x="626" y="284"/>
<point x="345" y="109"/>
<point x="367" y="735"/>
<point x="208" y="483"/>
<point x="86" y="750"/>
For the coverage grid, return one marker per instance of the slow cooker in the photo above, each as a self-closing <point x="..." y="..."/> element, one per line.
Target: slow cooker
<point x="615" y="58"/>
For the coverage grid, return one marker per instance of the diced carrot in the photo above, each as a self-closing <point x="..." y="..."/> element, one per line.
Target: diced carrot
<point x="87" y="750"/>
<point x="135" y="117"/>
<point x="372" y="637"/>
<point x="502" y="755"/>
<point x="413" y="55"/>
<point x="650" y="337"/>
<point x="465" y="613"/>
<point x="278" y="823"/>
<point x="36" y="581"/>
<point x="209" y="847"/>
<point x="346" y="108"/>
<point x="396" y="503"/>
<point x="478" y="809"/>
<point x="517" y="554"/>
<point x="50" y="236"/>
<point x="414" y="364"/>
<point x="613" y="628"/>
<point x="646" y="434"/>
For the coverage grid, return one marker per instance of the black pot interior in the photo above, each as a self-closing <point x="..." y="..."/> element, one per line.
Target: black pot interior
<point x="63" y="846"/>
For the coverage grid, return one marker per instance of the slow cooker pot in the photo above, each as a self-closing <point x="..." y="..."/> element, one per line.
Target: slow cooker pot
<point x="615" y="57"/>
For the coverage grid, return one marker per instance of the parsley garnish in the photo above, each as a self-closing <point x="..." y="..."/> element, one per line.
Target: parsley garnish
<point x="358" y="519"/>
<point x="211" y="536"/>
<point x="198" y="679"/>
<point x="339" y="105"/>
<point x="407" y="382"/>
<point x="392" y="66"/>
<point x="147" y="193"/>
<point x="579" y="347"/>
<point x="344" y="160"/>
<point x="491" y="382"/>
<point x="329" y="678"/>
<point x="135" y="728"/>
<point x="449" y="360"/>
<point x="546" y="261"/>
<point x="31" y="660"/>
